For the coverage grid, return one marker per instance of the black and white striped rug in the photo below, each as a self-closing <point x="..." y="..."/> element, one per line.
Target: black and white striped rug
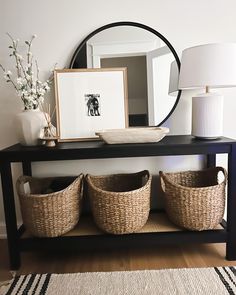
<point x="191" y="281"/>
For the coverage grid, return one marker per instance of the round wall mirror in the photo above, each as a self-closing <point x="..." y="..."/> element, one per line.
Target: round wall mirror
<point x="152" y="68"/>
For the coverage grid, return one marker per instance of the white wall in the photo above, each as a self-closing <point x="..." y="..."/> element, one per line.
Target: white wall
<point x="61" y="25"/>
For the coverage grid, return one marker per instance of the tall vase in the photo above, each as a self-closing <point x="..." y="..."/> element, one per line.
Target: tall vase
<point x="28" y="125"/>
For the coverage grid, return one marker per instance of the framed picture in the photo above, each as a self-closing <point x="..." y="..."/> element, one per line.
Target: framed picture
<point x="90" y="100"/>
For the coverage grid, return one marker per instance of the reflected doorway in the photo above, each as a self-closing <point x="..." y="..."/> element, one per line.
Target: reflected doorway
<point x="137" y="85"/>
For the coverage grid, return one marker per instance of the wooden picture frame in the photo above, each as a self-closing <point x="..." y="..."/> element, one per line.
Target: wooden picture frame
<point x="90" y="100"/>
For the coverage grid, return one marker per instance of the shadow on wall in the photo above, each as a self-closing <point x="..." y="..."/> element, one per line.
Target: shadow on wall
<point x="179" y="122"/>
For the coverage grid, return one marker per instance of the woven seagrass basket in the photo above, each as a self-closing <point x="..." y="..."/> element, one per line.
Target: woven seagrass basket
<point x="50" y="206"/>
<point x="120" y="202"/>
<point x="194" y="200"/>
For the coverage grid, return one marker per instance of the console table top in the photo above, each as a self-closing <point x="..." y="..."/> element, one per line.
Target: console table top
<point x="169" y="145"/>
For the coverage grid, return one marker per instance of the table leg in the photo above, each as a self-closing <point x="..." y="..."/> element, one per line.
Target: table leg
<point x="27" y="169"/>
<point x="10" y="215"/>
<point x="211" y="160"/>
<point x="231" y="207"/>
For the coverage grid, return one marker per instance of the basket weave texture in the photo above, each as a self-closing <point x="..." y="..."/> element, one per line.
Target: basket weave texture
<point x="120" y="202"/>
<point x="194" y="199"/>
<point x="50" y="214"/>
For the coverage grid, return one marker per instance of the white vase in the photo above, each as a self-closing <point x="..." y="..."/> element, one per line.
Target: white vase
<point x="28" y="125"/>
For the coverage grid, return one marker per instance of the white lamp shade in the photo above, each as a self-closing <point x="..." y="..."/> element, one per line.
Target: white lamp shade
<point x="212" y="65"/>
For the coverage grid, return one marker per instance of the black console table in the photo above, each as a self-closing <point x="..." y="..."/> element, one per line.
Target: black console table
<point x="169" y="146"/>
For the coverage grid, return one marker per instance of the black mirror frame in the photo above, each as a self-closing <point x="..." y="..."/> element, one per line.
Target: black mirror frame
<point x="139" y="25"/>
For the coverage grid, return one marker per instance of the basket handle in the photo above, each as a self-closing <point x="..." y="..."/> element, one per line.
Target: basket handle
<point x="20" y="183"/>
<point x="163" y="178"/>
<point x="223" y="170"/>
<point x="77" y="180"/>
<point x="161" y="174"/>
<point x="146" y="175"/>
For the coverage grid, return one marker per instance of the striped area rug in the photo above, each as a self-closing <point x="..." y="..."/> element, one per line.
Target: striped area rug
<point x="193" y="281"/>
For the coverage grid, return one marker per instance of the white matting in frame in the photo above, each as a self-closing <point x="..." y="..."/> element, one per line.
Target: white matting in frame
<point x="89" y="100"/>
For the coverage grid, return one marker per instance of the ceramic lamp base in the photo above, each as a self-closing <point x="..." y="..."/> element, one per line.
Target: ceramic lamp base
<point x="207" y="116"/>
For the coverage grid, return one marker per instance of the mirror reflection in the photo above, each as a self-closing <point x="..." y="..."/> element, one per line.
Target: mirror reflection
<point x="152" y="89"/>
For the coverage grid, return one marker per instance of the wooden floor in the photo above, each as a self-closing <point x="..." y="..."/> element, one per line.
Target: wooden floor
<point x="203" y="255"/>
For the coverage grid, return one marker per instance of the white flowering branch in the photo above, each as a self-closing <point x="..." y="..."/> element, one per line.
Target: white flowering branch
<point x="14" y="47"/>
<point x="30" y="89"/>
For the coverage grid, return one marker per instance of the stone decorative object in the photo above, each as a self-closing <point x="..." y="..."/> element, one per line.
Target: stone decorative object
<point x="133" y="135"/>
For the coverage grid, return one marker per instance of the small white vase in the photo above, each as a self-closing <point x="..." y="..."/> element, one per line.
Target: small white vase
<point x="28" y="125"/>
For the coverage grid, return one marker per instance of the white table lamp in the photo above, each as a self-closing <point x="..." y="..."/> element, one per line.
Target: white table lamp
<point x="208" y="66"/>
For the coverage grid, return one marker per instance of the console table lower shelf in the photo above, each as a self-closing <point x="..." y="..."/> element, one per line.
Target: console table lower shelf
<point x="158" y="230"/>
